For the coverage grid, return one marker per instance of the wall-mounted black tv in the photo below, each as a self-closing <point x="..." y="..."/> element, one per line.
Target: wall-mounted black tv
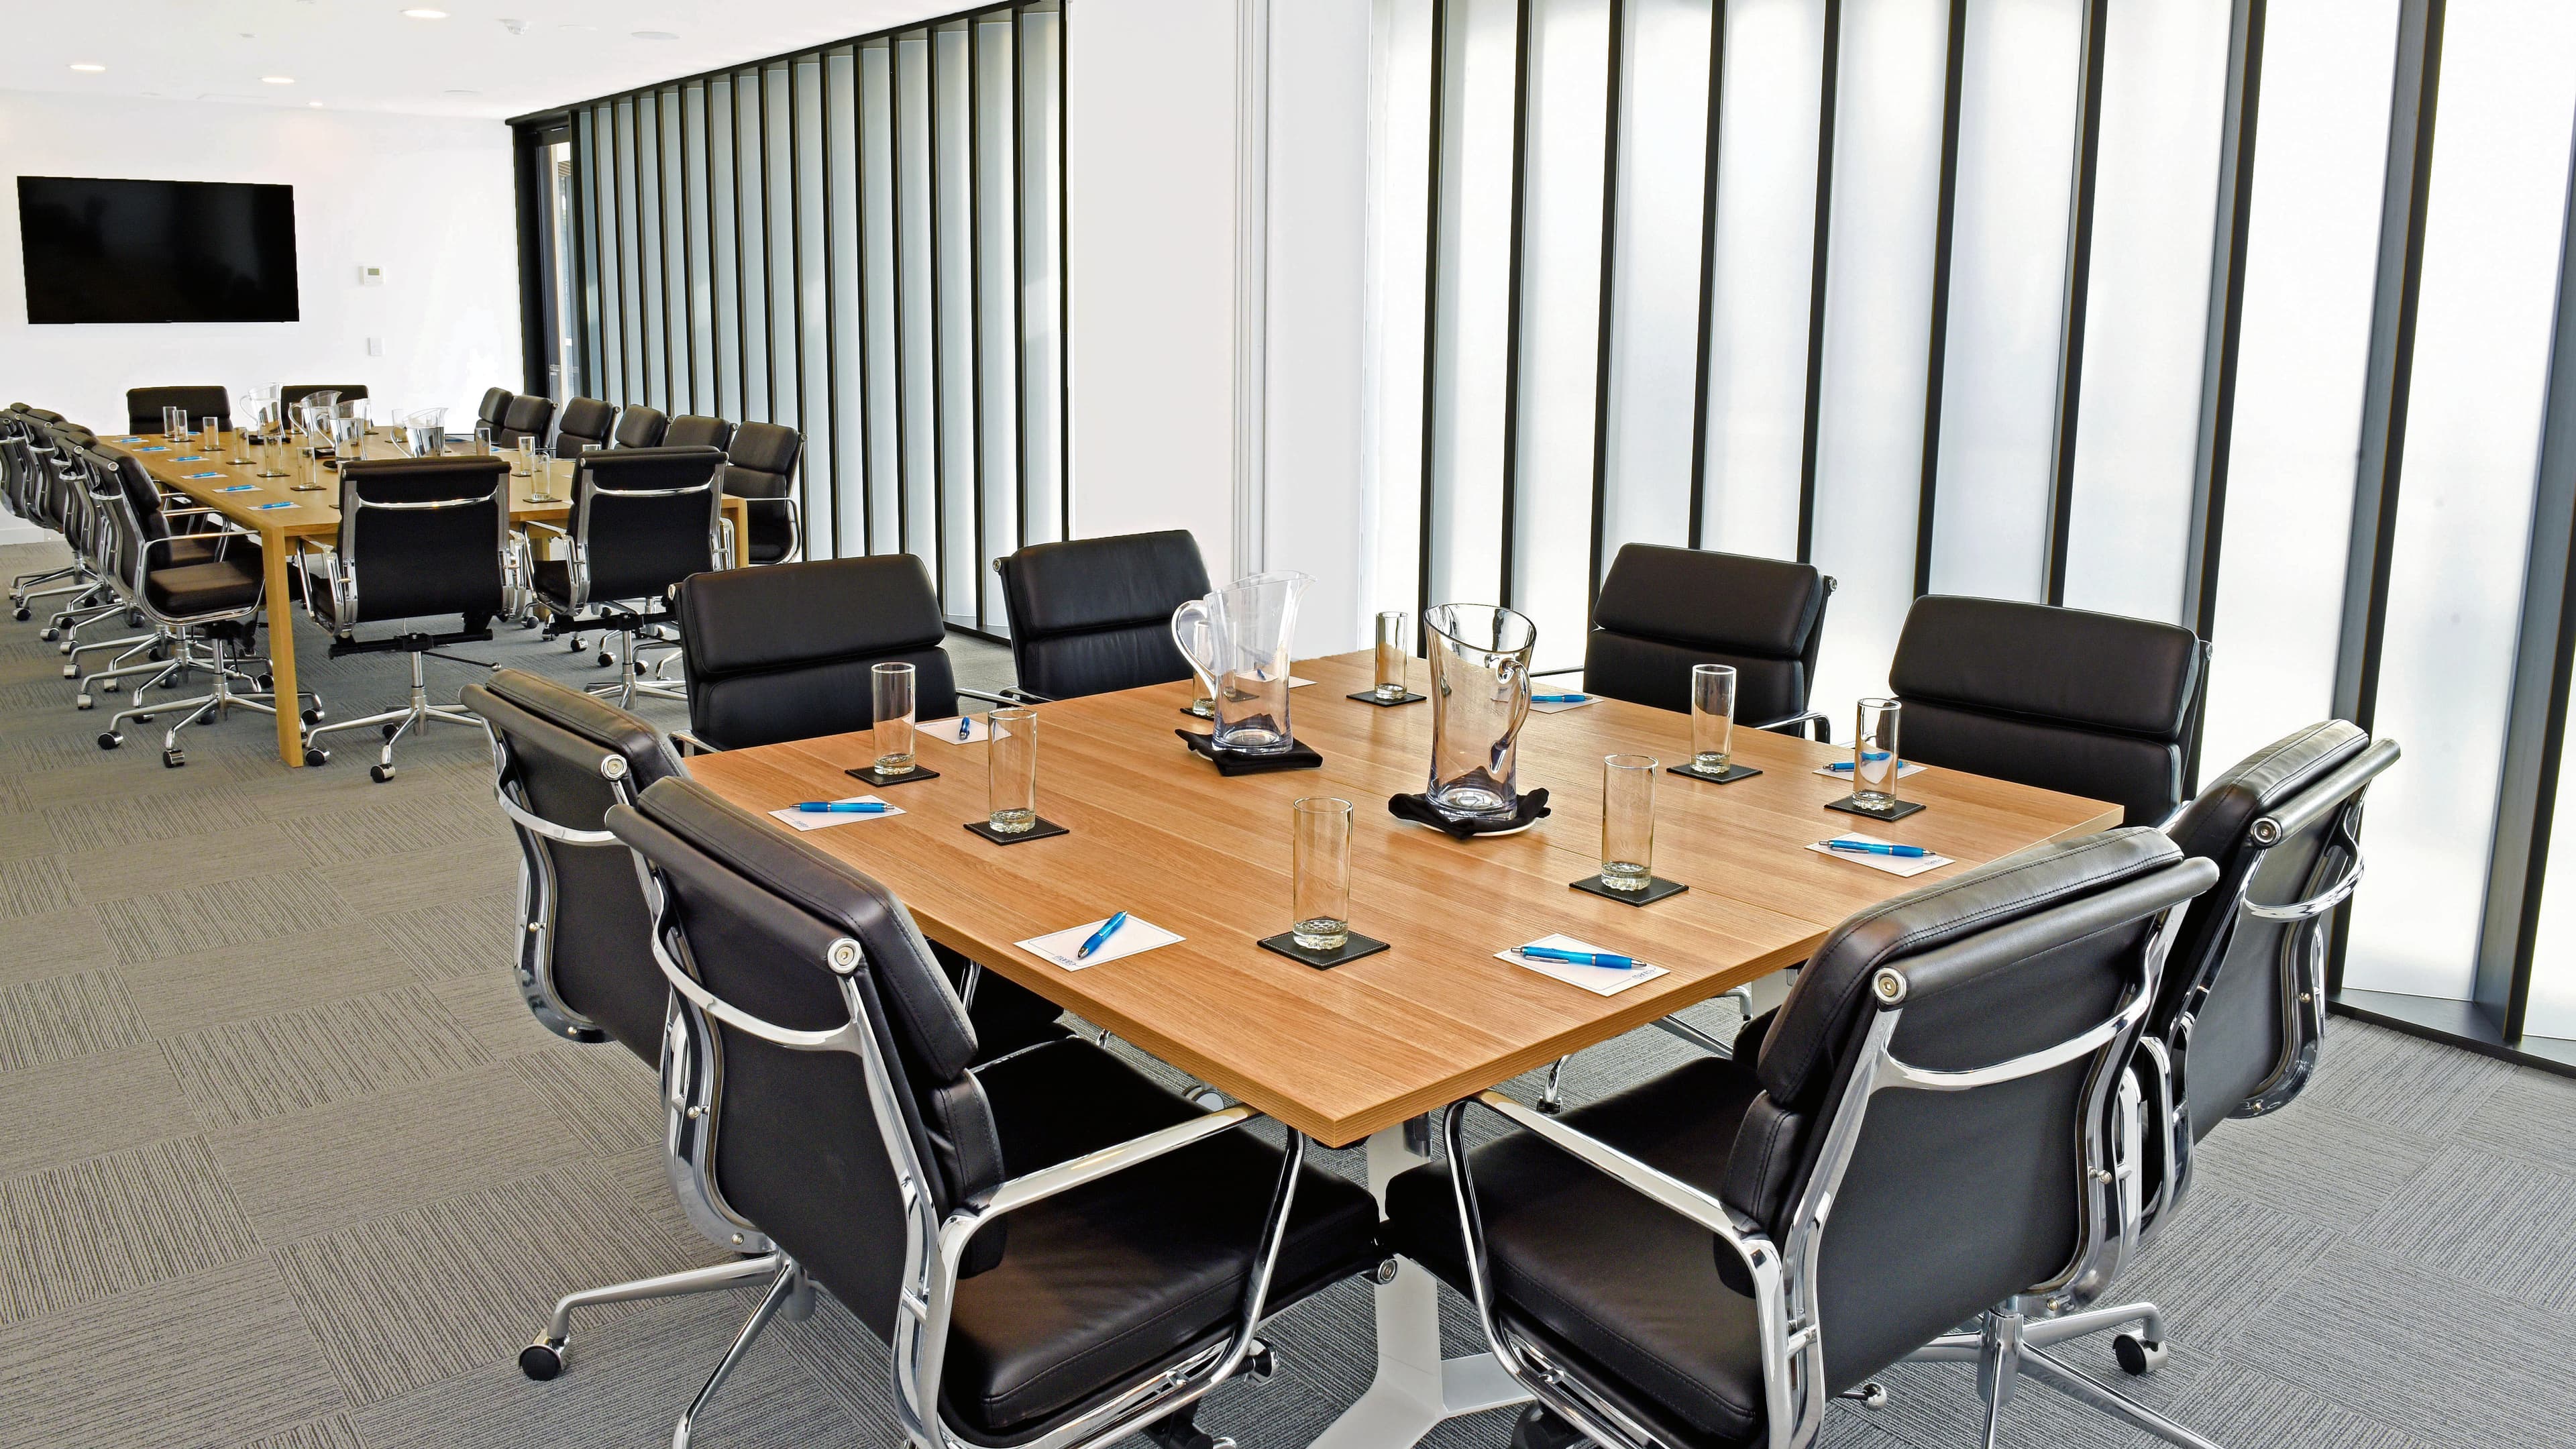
<point x="157" y="251"/>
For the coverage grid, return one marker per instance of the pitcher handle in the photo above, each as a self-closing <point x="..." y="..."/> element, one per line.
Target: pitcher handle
<point x="1196" y="611"/>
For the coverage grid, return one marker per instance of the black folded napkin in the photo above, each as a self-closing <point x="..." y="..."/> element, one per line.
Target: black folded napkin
<point x="1418" y="809"/>
<point x="1296" y="757"/>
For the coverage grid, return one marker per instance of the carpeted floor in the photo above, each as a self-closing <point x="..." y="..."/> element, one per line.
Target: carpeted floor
<point x="290" y="1167"/>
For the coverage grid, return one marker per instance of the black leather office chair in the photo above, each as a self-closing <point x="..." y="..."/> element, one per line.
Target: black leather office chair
<point x="641" y="427"/>
<point x="586" y="423"/>
<point x="760" y="468"/>
<point x="1663" y="610"/>
<point x="784" y="653"/>
<point x="179" y="533"/>
<point x="1094" y="615"/>
<point x="143" y="406"/>
<point x="494" y="407"/>
<point x="696" y="430"/>
<point x="419" y="538"/>
<point x="642" y="520"/>
<point x="288" y="397"/>
<point x="1077" y="1250"/>
<point x="2091" y="704"/>
<point x="1658" y="1268"/>
<point x="526" y="417"/>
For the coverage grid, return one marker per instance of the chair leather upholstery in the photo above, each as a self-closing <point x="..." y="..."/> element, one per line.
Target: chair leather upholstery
<point x="528" y="417"/>
<point x="761" y="464"/>
<point x="586" y="423"/>
<point x="1663" y="610"/>
<point x="784" y="653"/>
<point x="1086" y="1291"/>
<point x="413" y="564"/>
<point x="639" y="547"/>
<point x="494" y="407"/>
<point x="696" y="430"/>
<point x="2091" y="704"/>
<point x="202" y="588"/>
<point x="288" y="397"/>
<point x="143" y="406"/>
<point x="1094" y="615"/>
<point x="641" y="427"/>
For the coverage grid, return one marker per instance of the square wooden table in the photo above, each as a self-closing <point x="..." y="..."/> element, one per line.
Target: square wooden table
<point x="316" y="515"/>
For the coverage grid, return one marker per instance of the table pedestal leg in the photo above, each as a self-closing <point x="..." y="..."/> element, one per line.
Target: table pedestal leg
<point x="1415" y="1388"/>
<point x="281" y="652"/>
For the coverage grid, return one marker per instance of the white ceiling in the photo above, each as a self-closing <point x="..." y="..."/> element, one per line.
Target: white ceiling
<point x="365" y="55"/>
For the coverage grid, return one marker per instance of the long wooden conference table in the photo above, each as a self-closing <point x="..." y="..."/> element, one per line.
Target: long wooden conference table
<point x="316" y="515"/>
<point x="1357" y="1051"/>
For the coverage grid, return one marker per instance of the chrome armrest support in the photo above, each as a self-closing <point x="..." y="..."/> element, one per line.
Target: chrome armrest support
<point x="1020" y="696"/>
<point x="1004" y="700"/>
<point x="2315" y="905"/>
<point x="1816" y="717"/>
<point x="691" y="745"/>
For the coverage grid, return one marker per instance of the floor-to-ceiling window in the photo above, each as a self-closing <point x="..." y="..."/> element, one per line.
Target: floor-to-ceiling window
<point x="862" y="241"/>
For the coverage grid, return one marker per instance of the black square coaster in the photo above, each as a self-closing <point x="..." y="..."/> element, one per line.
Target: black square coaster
<point x="1657" y="888"/>
<point x="1370" y="696"/>
<point x="1285" y="943"/>
<point x="1897" y="811"/>
<point x="1298" y="756"/>
<point x="1194" y="714"/>
<point x="1728" y="776"/>
<point x="867" y="775"/>
<point x="1039" y="831"/>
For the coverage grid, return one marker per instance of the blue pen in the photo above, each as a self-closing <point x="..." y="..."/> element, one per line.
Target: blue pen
<point x="842" y="807"/>
<point x="965" y="728"/>
<point x="1874" y="757"/>
<point x="1099" y="936"/>
<point x="1872" y="847"/>
<point x="1560" y="699"/>
<point x="1579" y="958"/>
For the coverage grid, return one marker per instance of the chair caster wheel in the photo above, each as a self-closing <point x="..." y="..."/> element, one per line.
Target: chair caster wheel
<point x="313" y="716"/>
<point x="313" y="756"/>
<point x="388" y="730"/>
<point x="1871" y="1395"/>
<point x="576" y="644"/>
<point x="606" y="659"/>
<point x="82" y="701"/>
<point x="134" y="618"/>
<point x="173" y="759"/>
<point x="1549" y="1106"/>
<point x="110" y="741"/>
<point x="1539" y="1428"/>
<point x="266" y="683"/>
<point x="20" y="614"/>
<point x="50" y="635"/>
<point x="380" y="773"/>
<point x="527" y="623"/>
<point x="2137" y="1356"/>
<point x="542" y="1359"/>
<point x="158" y="654"/>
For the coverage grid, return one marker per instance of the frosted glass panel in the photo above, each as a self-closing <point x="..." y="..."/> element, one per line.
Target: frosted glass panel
<point x="724" y="263"/>
<point x="750" y="174"/>
<point x="630" y="369"/>
<point x="1041" y="298"/>
<point x="2311" y="253"/>
<point x="699" y="278"/>
<point x="2491" y="249"/>
<point x="2017" y="102"/>
<point x="1878" y="317"/>
<point x="997" y="288"/>
<point x="914" y="315"/>
<point x="1474" y="316"/>
<point x="952" y="193"/>
<point x="1398" y="279"/>
<point x="2551" y="1009"/>
<point x="849" y="401"/>
<point x="876" y="221"/>
<point x="1560" y="321"/>
<point x="650" y="274"/>
<point x="1760" y="271"/>
<point x="2155" y="204"/>
<point x="786" y="404"/>
<point x="812" y="260"/>
<point x="590" y="152"/>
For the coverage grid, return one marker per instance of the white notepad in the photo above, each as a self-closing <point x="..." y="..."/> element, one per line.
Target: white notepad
<point x="1903" y="769"/>
<point x="1599" y="980"/>
<point x="1295" y="683"/>
<point x="825" y="819"/>
<point x="1896" y="865"/>
<point x="977" y="731"/>
<point x="1538" y="708"/>
<point x="1134" y="937"/>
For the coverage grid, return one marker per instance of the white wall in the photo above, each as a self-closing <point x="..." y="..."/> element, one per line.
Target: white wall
<point x="428" y="200"/>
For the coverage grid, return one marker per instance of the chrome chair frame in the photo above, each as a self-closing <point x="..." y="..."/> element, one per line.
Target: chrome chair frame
<point x="935" y="1249"/>
<point x="1785" y="1275"/>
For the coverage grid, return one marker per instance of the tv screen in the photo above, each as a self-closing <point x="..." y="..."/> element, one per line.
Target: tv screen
<point x="157" y="251"/>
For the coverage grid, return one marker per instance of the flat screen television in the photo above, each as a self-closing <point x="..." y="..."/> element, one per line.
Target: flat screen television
<point x="157" y="251"/>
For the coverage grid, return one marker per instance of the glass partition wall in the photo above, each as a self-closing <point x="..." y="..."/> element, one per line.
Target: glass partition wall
<point x="864" y="242"/>
<point x="2247" y="315"/>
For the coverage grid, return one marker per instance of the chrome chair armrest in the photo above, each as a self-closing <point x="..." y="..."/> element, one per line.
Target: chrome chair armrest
<point x="539" y="524"/>
<point x="1004" y="700"/>
<point x="691" y="745"/>
<point x="1024" y="696"/>
<point x="1665" y="1190"/>
<point x="1824" y="727"/>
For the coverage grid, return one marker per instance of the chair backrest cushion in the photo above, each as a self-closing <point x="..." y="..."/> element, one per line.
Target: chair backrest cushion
<point x="528" y="417"/>
<point x="586" y="422"/>
<point x="641" y="427"/>
<point x="143" y="406"/>
<point x="1663" y="610"/>
<point x="288" y="397"/>
<point x="2092" y="704"/>
<point x="411" y="563"/>
<point x="659" y="533"/>
<point x="1094" y="615"/>
<point x="785" y="653"/>
<point x="494" y="407"/>
<point x="697" y="430"/>
<point x="761" y="463"/>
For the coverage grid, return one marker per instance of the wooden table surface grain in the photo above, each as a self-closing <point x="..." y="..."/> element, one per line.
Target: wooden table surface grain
<point x="1342" y="1053"/>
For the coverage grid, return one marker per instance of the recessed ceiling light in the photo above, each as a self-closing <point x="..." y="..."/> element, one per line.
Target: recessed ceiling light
<point x="655" y="35"/>
<point x="317" y="105"/>
<point x="87" y="65"/>
<point x="425" y="15"/>
<point x="464" y="93"/>
<point x="277" y="80"/>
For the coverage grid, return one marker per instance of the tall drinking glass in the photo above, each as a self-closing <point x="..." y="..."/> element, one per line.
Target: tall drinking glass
<point x="1875" y="758"/>
<point x="209" y="432"/>
<point x="1628" y="821"/>
<point x="1322" y="888"/>
<point x="483" y="440"/>
<point x="541" y="464"/>
<point x="174" y="424"/>
<point x="1014" y="797"/>
<point x="1391" y="654"/>
<point x="1480" y="697"/>
<point x="1712" y="717"/>
<point x="893" y="685"/>
<point x="525" y="463"/>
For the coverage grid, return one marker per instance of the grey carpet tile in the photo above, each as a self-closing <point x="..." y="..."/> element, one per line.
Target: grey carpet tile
<point x="33" y="887"/>
<point x="57" y="943"/>
<point x="411" y="1297"/>
<point x="417" y="879"/>
<point x="91" y="1229"/>
<point x="232" y="913"/>
<point x="195" y="990"/>
<point x="472" y="937"/>
<point x="71" y="771"/>
<point x="272" y="1066"/>
<point x="64" y="1017"/>
<point x="606" y="1092"/>
<point x="24" y="835"/>
<point x="201" y="1363"/>
<point x="488" y="1003"/>
<point x="2421" y="1352"/>
<point x="90" y="1105"/>
<point x="331" y="1431"/>
<point x="391" y="827"/>
<point x="627" y="1385"/>
<point x="116" y="822"/>
<point x="34" y="696"/>
<point x="2235" y="1405"/>
<point x="2216" y="1265"/>
<point x="2503" y="1223"/>
<point x="320" y="1171"/>
<point x="2531" y="1115"/>
<point x="255" y="847"/>
<point x="2315" y="1160"/>
<point x="2403" y="1081"/>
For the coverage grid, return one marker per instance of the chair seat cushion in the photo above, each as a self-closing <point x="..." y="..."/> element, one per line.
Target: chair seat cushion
<point x="1622" y="1290"/>
<point x="553" y="580"/>
<point x="1112" y="1281"/>
<point x="203" y="588"/>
